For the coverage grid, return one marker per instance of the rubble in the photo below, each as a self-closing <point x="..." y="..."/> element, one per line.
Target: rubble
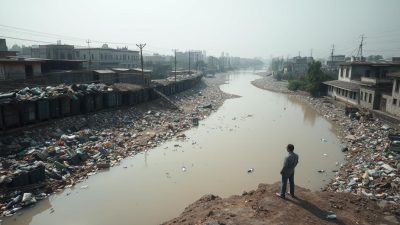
<point x="44" y="160"/>
<point x="370" y="145"/>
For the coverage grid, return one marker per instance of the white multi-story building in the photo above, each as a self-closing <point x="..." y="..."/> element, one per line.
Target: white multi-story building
<point x="106" y="58"/>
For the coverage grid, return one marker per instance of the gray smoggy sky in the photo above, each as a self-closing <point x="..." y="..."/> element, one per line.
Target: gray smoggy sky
<point x="246" y="28"/>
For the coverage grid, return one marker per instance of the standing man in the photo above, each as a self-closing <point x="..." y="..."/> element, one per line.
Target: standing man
<point x="287" y="171"/>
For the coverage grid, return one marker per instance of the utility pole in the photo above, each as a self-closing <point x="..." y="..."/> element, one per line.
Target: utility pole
<point x="332" y="51"/>
<point x="197" y="62"/>
<point x="360" y="48"/>
<point x="90" y="55"/>
<point x="189" y="62"/>
<point x="141" y="46"/>
<point x="175" y="61"/>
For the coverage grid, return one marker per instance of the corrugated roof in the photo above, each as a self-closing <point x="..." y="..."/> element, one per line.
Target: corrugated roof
<point x="351" y="86"/>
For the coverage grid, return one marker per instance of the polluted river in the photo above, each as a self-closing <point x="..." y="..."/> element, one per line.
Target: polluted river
<point x="246" y="133"/>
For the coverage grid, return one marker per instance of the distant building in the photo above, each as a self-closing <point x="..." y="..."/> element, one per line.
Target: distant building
<point x="196" y="56"/>
<point x="3" y="45"/>
<point x="333" y="63"/>
<point x="158" y="59"/>
<point x="106" y="58"/>
<point x="53" y="51"/>
<point x="297" y="65"/>
<point x="4" y="53"/>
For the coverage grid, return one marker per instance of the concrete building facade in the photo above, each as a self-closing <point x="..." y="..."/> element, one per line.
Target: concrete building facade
<point x="106" y="58"/>
<point x="367" y="84"/>
<point x="15" y="69"/>
<point x="297" y="65"/>
<point x="56" y="51"/>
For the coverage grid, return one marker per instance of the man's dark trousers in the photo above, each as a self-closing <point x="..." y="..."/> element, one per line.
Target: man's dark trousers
<point x="285" y="179"/>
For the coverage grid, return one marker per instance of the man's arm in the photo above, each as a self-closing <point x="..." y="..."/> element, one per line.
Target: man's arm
<point x="285" y="164"/>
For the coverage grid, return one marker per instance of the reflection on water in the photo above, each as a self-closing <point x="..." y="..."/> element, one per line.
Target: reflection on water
<point x="247" y="132"/>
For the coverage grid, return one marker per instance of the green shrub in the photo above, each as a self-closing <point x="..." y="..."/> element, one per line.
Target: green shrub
<point x="295" y="85"/>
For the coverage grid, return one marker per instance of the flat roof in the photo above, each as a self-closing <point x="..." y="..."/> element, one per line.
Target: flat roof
<point x="371" y="63"/>
<point x="351" y="86"/>
<point x="16" y="60"/>
<point x="105" y="49"/>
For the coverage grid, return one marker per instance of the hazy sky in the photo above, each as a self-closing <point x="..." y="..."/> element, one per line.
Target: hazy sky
<point x="247" y="28"/>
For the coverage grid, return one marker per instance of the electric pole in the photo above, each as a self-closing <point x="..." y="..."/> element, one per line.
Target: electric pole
<point x="332" y="51"/>
<point x="90" y="55"/>
<point x="141" y="46"/>
<point x="189" y="62"/>
<point x="175" y="61"/>
<point x="197" y="62"/>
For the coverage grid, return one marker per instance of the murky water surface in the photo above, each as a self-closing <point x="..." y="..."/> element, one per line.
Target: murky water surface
<point x="247" y="132"/>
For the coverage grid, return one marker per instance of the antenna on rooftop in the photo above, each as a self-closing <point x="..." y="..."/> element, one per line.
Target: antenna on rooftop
<point x="360" y="48"/>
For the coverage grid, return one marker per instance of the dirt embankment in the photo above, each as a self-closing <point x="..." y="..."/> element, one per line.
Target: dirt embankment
<point x="263" y="207"/>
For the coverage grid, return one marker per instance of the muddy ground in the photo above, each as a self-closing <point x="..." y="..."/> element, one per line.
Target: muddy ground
<point x="263" y="207"/>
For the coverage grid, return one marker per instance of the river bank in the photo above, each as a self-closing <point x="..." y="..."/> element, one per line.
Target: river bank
<point x="261" y="206"/>
<point x="371" y="170"/>
<point x="68" y="151"/>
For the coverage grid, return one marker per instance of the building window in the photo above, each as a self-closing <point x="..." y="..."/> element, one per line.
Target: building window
<point x="397" y="86"/>
<point x="365" y="97"/>
<point x="101" y="56"/>
<point x="347" y="71"/>
<point x="345" y="93"/>
<point x="367" y="73"/>
<point x="362" y="96"/>
<point x="394" y="101"/>
<point x="341" y="71"/>
<point x="84" y="56"/>
<point x="370" y="98"/>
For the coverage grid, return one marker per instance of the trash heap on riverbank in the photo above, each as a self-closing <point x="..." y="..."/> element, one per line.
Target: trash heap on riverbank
<point x="372" y="167"/>
<point x="34" y="93"/>
<point x="46" y="160"/>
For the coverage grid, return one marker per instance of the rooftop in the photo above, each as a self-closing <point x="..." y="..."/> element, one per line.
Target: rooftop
<point x="371" y="63"/>
<point x="108" y="49"/>
<point x="351" y="86"/>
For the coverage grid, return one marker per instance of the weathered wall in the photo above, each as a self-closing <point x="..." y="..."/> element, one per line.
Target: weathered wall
<point x="338" y="95"/>
<point x="368" y="98"/>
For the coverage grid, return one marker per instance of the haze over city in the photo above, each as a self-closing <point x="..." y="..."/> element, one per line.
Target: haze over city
<point x="255" y="28"/>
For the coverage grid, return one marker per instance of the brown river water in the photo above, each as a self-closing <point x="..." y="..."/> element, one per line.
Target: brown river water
<point x="247" y="132"/>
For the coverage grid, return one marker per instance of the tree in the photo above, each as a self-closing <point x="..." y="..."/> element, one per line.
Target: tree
<point x="16" y="48"/>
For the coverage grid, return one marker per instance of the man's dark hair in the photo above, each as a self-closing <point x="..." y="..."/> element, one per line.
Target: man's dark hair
<point x="290" y="147"/>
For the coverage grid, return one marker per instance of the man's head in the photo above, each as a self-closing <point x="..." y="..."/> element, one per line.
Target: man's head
<point x="290" y="148"/>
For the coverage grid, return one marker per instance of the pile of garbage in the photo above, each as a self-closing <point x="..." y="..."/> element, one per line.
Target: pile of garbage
<point x="46" y="160"/>
<point x="371" y="149"/>
<point x="34" y="93"/>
